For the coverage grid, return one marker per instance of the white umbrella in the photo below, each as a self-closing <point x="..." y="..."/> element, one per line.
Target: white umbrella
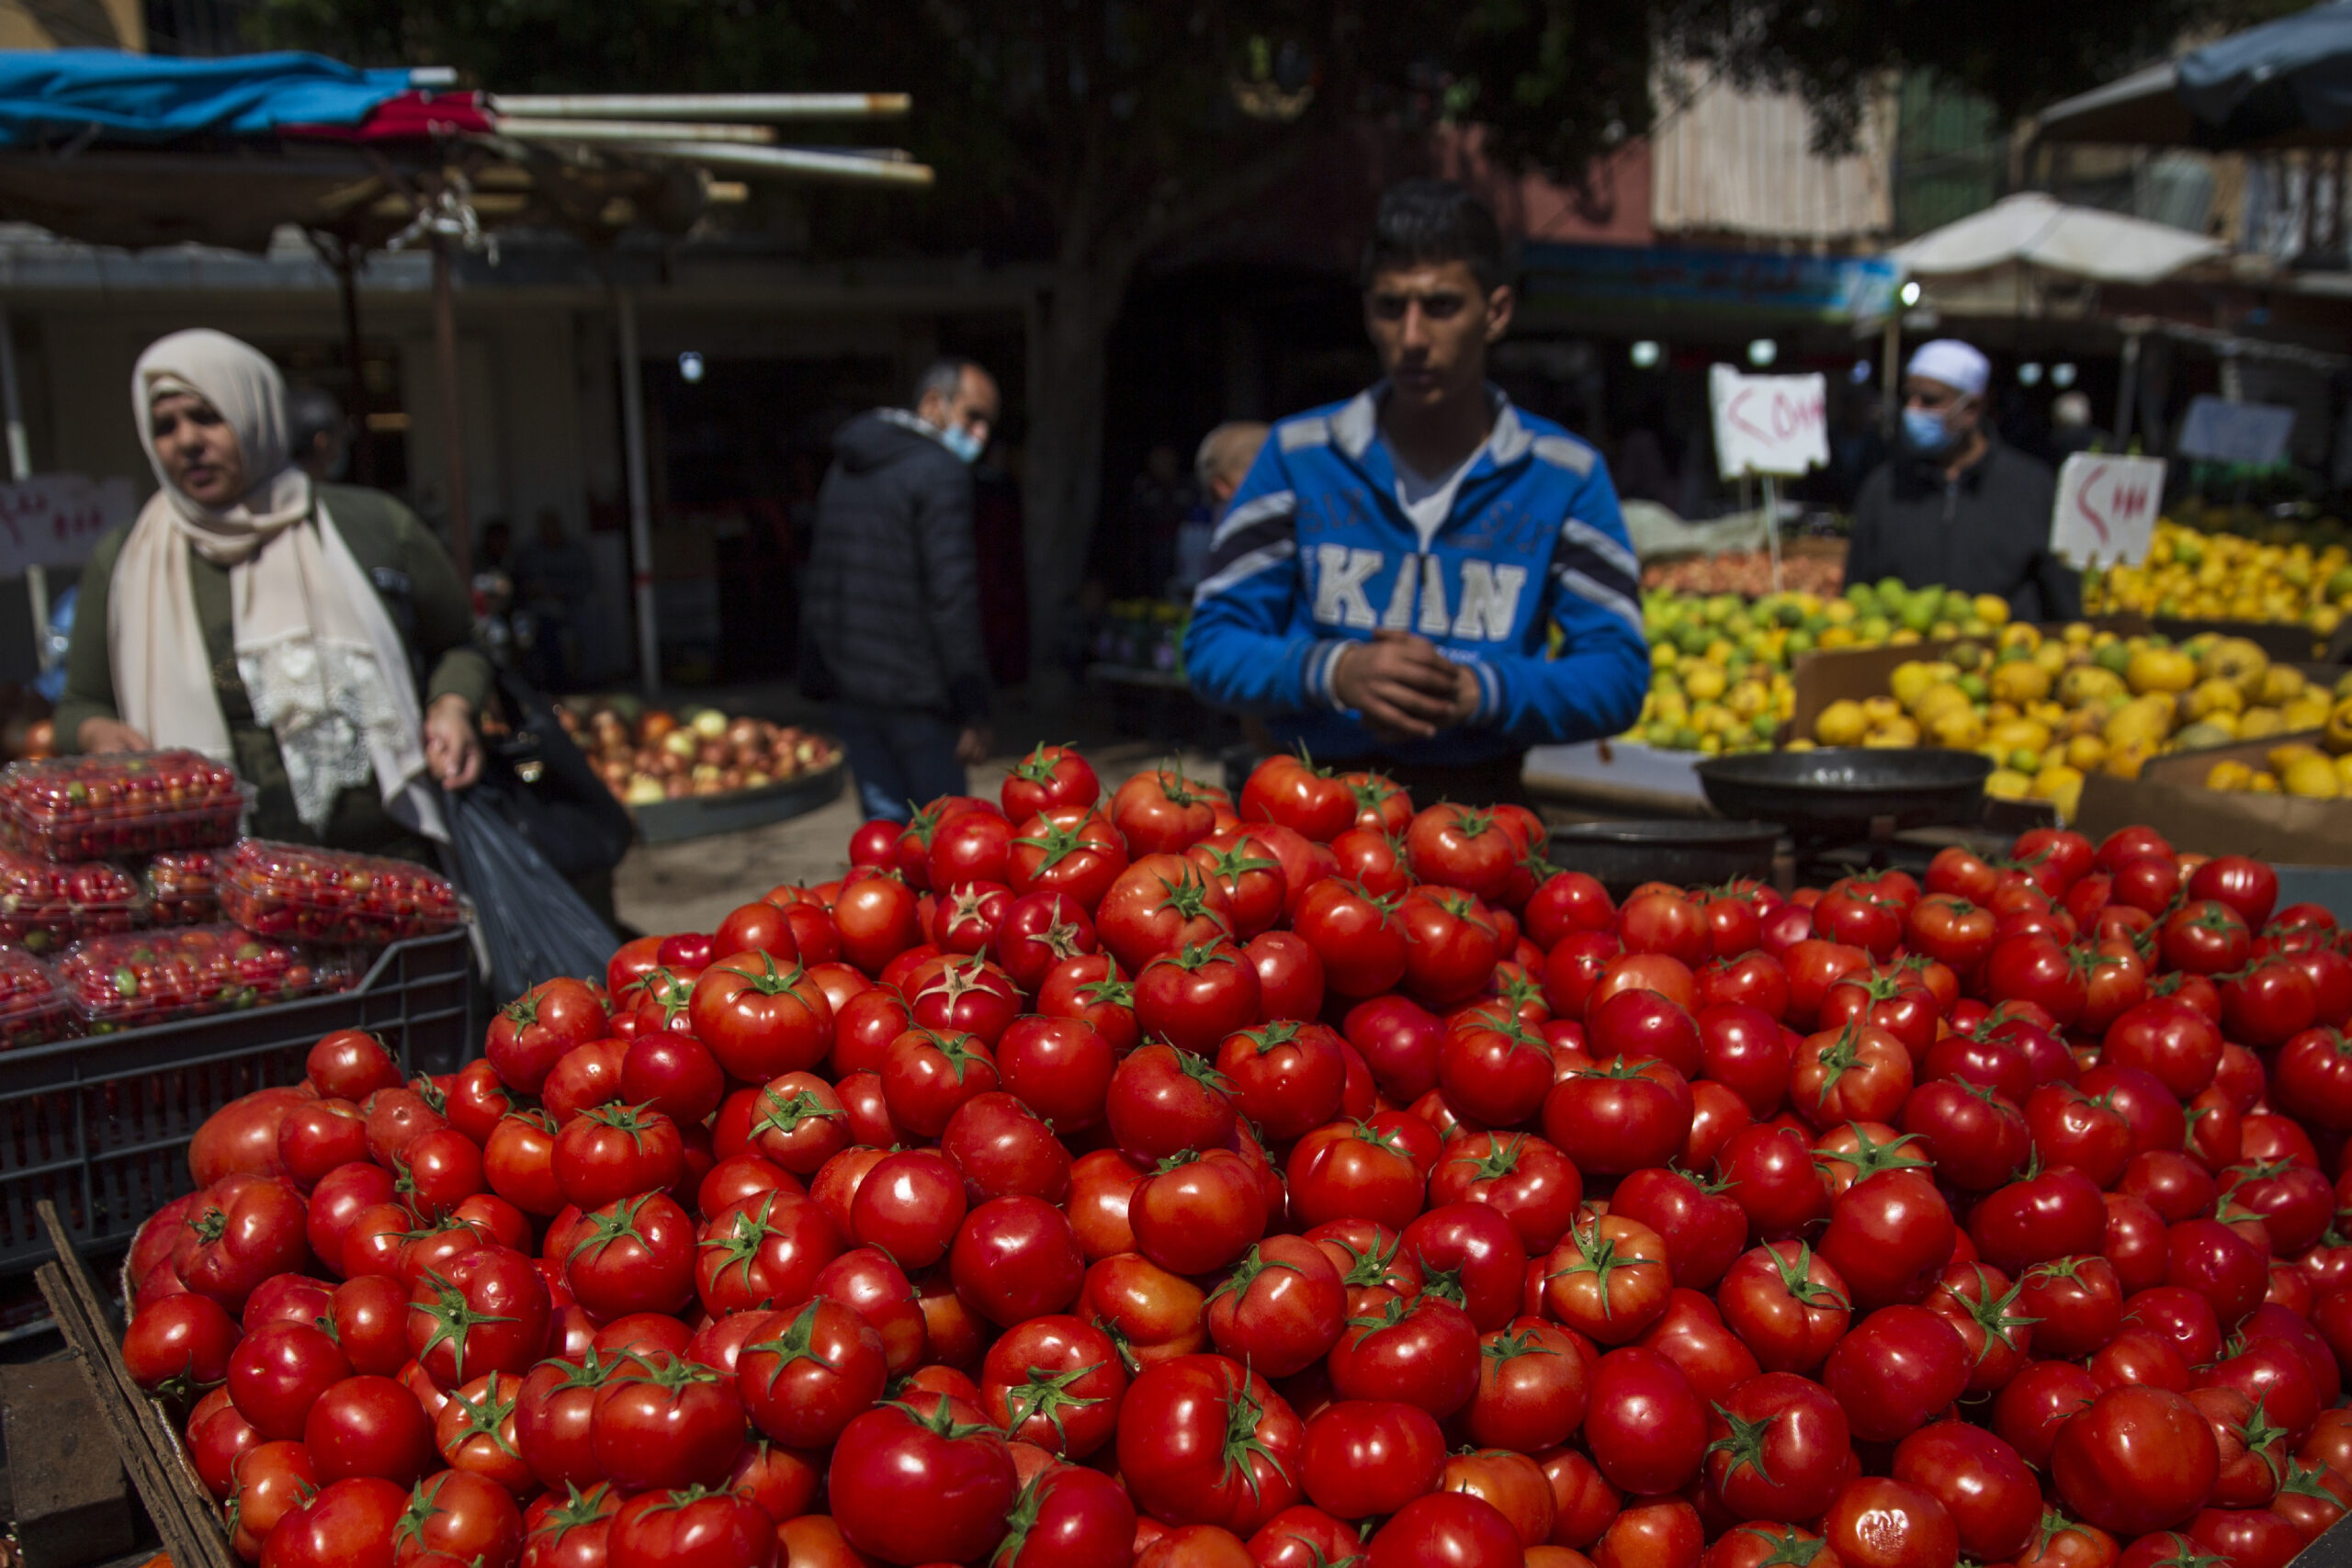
<point x="2035" y="230"/>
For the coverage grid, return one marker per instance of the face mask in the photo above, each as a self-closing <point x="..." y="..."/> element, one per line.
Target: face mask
<point x="962" y="442"/>
<point x="1924" y="430"/>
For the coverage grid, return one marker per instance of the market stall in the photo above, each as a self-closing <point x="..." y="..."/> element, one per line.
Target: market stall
<point x="1297" y="1177"/>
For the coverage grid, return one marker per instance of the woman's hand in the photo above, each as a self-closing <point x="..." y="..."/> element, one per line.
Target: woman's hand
<point x="452" y="748"/>
<point x="109" y="735"/>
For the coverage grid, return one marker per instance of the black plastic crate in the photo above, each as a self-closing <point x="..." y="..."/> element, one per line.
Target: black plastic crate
<point x="100" y="1127"/>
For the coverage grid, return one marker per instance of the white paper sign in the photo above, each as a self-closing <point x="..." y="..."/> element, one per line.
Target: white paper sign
<point x="1769" y="424"/>
<point x="2223" y="432"/>
<point x="54" y="519"/>
<point x="2107" y="508"/>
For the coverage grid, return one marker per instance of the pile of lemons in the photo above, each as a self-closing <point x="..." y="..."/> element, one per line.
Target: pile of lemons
<point x="2214" y="577"/>
<point x="2050" y="710"/>
<point x="2314" y="771"/>
<point x="1719" y="663"/>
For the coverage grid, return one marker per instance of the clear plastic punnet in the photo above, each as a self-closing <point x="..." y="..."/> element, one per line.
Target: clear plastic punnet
<point x="300" y="893"/>
<point x="118" y="804"/>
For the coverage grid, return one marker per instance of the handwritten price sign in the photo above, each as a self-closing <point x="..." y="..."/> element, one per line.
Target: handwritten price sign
<point x="2107" y="508"/>
<point x="54" y="519"/>
<point x="1769" y="424"/>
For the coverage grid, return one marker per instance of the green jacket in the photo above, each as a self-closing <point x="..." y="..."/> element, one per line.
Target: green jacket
<point x="420" y="589"/>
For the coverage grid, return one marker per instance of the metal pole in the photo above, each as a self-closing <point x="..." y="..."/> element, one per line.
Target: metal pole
<point x="640" y="504"/>
<point x="363" y="446"/>
<point x="1772" y="526"/>
<point x="20" y="468"/>
<point x="703" y="106"/>
<point x="445" y="346"/>
<point x="1890" y="395"/>
<point x="2127" y="392"/>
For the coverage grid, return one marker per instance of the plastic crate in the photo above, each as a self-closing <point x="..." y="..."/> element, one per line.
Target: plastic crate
<point x="101" y="1126"/>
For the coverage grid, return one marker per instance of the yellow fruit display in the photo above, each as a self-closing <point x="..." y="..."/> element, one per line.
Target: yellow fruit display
<point x="2197" y="576"/>
<point x="2313" y="778"/>
<point x="2155" y="668"/>
<point x="1842" y="723"/>
<point x="2229" y="775"/>
<point x="2050" y="706"/>
<point x="2019" y="681"/>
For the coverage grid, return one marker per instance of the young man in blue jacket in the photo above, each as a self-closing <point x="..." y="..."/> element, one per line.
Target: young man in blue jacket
<point x="1385" y="585"/>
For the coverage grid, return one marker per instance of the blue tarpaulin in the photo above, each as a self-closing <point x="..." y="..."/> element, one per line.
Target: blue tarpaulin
<point x="143" y="98"/>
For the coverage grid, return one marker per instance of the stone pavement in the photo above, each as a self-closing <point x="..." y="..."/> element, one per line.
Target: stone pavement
<point x="691" y="886"/>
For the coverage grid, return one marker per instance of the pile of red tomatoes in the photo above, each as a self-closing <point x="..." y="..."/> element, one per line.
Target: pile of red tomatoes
<point x="1302" y="1180"/>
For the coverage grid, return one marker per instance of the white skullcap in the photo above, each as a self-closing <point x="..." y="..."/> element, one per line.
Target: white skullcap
<point x="1952" y="362"/>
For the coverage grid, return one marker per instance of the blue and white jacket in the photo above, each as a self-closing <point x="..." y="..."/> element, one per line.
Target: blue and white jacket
<point x="1317" y="551"/>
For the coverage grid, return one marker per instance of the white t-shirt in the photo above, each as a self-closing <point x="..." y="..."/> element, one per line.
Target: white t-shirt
<point x="1429" y="501"/>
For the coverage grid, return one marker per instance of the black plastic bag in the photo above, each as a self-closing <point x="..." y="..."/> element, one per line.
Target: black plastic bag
<point x="533" y="927"/>
<point x="548" y="790"/>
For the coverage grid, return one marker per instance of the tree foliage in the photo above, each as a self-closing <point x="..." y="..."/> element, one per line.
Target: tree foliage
<point x="1130" y="117"/>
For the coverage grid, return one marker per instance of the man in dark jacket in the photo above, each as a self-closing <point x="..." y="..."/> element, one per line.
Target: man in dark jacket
<point x="891" y="610"/>
<point x="1956" y="507"/>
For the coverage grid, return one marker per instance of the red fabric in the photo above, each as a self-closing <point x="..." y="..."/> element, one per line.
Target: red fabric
<point x="410" y="117"/>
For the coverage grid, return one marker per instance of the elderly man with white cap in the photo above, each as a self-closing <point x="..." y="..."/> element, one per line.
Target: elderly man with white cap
<point x="1956" y="507"/>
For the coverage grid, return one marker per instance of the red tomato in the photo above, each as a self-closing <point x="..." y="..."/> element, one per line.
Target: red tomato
<point x="1896" y="1370"/>
<point x="1161" y="903"/>
<point x="370" y="1426"/>
<point x="1777" y="1449"/>
<point x="1161" y="812"/>
<point x="1362" y="944"/>
<point x="689" y="1529"/>
<point x="2137" y="1460"/>
<point x="349" y="1524"/>
<point x="1644" y="1423"/>
<point x="278" y="1370"/>
<point x="1298" y="795"/>
<point x="761" y="1019"/>
<point x="1204" y="1441"/>
<point x="531" y="1033"/>
<point x="1877" y="1522"/>
<point x="1195" y="996"/>
<point x="184" y="1339"/>
<point x="1368" y="1457"/>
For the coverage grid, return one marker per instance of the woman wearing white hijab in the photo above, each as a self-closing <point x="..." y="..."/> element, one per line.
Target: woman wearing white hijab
<point x="245" y="617"/>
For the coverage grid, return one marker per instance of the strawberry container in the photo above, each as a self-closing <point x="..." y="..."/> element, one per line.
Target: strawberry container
<point x="118" y="804"/>
<point x="182" y="887"/>
<point x="33" y="1010"/>
<point x="142" y="977"/>
<point x="44" y="905"/>
<point x="298" y="893"/>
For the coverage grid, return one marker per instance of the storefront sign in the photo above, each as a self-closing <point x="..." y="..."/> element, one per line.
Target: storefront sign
<point x="2223" y="432"/>
<point x="2107" y="508"/>
<point x="54" y="519"/>
<point x="1769" y="424"/>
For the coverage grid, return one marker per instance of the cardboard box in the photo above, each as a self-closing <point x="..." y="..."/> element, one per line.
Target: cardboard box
<point x="1830" y="675"/>
<point x="2170" y="796"/>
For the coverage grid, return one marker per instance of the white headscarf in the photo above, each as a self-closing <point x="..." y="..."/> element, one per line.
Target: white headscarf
<point x="321" y="661"/>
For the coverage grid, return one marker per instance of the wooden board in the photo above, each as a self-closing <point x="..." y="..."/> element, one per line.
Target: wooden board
<point x="183" y="1512"/>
